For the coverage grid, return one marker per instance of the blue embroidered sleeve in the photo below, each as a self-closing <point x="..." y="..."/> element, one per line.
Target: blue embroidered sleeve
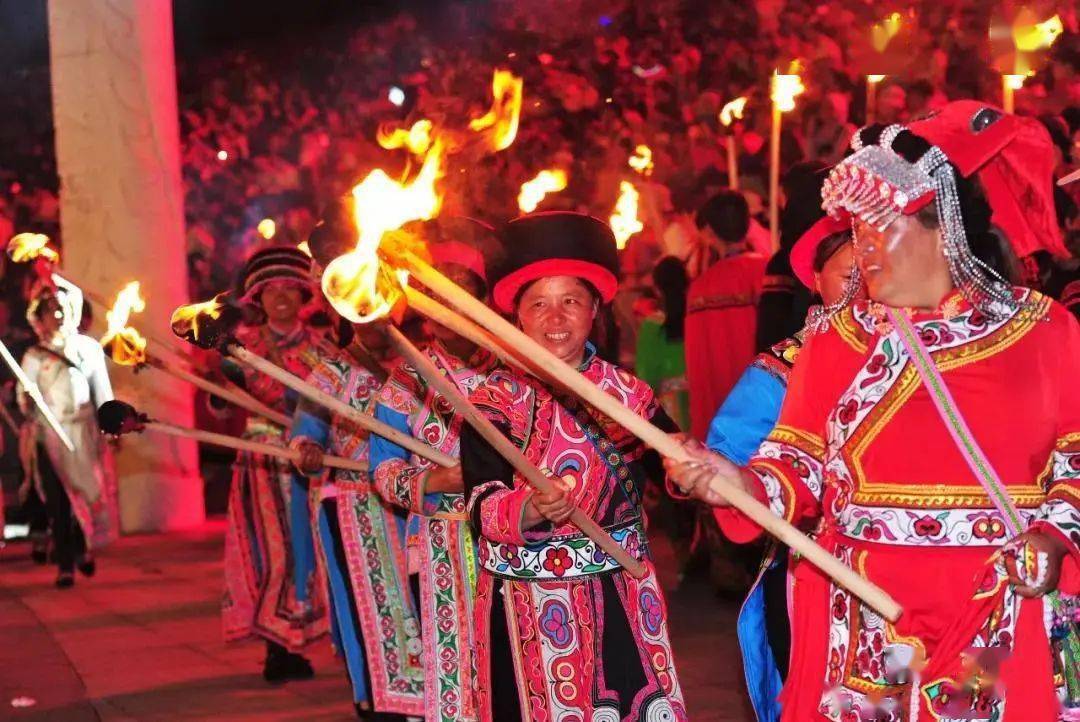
<point x="310" y="427"/>
<point x="396" y="479"/>
<point x="747" y="415"/>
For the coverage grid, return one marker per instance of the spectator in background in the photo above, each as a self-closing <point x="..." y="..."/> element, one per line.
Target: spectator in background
<point x="721" y="308"/>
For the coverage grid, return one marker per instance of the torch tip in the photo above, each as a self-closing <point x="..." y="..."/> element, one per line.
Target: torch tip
<point x="117" y="417"/>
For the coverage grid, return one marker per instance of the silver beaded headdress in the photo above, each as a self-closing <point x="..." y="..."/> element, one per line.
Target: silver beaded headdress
<point x="877" y="185"/>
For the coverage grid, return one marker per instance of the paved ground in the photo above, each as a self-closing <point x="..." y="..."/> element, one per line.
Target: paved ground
<point x="142" y="642"/>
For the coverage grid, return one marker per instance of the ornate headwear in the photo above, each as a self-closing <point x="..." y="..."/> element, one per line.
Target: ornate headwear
<point x="877" y="184"/>
<point x="276" y="264"/>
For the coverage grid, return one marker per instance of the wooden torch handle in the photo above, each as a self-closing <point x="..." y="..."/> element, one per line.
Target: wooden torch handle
<point x="339" y="407"/>
<point x="234" y="396"/>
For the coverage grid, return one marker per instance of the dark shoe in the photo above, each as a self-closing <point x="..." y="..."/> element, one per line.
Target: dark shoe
<point x="282" y="666"/>
<point x="40" y="556"/>
<point x="87" y="566"/>
<point x="65" y="580"/>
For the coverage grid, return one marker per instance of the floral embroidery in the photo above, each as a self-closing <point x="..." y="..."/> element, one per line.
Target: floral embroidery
<point x="555" y="624"/>
<point x="557" y="561"/>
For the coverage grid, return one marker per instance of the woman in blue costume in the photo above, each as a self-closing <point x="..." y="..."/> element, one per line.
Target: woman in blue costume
<point x="822" y="261"/>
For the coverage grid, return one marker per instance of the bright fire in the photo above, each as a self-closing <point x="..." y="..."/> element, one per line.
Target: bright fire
<point x="27" y="246"/>
<point x="624" y="221"/>
<point x="304" y="248"/>
<point x="875" y="78"/>
<point x="357" y="285"/>
<point x="185" y="320"/>
<point x="784" y="89"/>
<point x="507" y="91"/>
<point x="641" y="160"/>
<point x="534" y="191"/>
<point x="122" y="342"/>
<point x="733" y="110"/>
<point x="1038" y="36"/>
<point x="416" y="138"/>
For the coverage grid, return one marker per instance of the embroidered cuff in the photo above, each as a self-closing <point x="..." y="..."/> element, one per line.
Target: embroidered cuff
<point x="401" y="484"/>
<point x="1061" y="516"/>
<point x="735" y="525"/>
<point x="499" y="513"/>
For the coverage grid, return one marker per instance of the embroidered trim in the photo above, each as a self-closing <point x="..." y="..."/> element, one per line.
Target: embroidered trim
<point x="725" y="300"/>
<point x="567" y="557"/>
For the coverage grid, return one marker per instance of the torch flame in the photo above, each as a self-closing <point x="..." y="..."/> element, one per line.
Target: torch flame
<point x="416" y="138"/>
<point x="185" y="320"/>
<point x="1030" y="38"/>
<point x="624" y="221"/>
<point x="785" y="86"/>
<point x="533" y="191"/>
<point x="641" y="160"/>
<point x="27" y="246"/>
<point x="733" y="110"/>
<point x="124" y="343"/>
<point x="304" y="248"/>
<point x="875" y="78"/>
<point x="358" y="286"/>
<point x="507" y="90"/>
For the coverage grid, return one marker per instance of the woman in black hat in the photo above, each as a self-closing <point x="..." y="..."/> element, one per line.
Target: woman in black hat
<point x="261" y="596"/>
<point x="563" y="632"/>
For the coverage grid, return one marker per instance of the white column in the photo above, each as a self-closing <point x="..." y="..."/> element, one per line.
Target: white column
<point x="121" y="205"/>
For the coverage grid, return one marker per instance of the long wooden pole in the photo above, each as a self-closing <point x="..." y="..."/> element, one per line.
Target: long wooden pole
<point x="732" y="161"/>
<point x="774" y="178"/>
<point x="243" y="400"/>
<point x="339" y="407"/>
<point x="552" y="367"/>
<point x="34" y="393"/>
<point x="255" y="447"/>
<point x="536" y="478"/>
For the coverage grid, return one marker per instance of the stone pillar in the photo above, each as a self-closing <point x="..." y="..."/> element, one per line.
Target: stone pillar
<point x="121" y="210"/>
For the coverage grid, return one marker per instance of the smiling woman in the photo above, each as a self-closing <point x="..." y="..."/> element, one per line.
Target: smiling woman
<point x="600" y="648"/>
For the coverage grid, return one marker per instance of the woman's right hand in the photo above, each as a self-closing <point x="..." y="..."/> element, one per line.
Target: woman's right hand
<point x="555" y="506"/>
<point x="694" y="473"/>
<point x="311" y="458"/>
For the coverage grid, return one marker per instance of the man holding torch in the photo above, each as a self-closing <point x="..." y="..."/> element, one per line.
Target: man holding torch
<point x="892" y="441"/>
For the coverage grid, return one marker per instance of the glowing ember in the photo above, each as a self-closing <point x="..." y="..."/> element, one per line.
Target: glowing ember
<point x="357" y="285"/>
<point x="417" y="138"/>
<point x="123" y="343"/>
<point x="624" y="221"/>
<point x="533" y="191"/>
<point x="507" y="91"/>
<point x="1038" y="36"/>
<point x="641" y="160"/>
<point x="25" y="247"/>
<point x="784" y="89"/>
<point x="267" y="228"/>
<point x="733" y="111"/>
<point x="205" y="324"/>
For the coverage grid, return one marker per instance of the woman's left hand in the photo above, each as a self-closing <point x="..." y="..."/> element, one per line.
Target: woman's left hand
<point x="1049" y="553"/>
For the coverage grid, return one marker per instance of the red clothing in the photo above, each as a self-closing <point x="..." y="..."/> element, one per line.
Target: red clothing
<point x="720" y="321"/>
<point x="860" y="451"/>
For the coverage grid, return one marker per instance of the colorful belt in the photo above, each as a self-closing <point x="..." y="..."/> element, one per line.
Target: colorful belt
<point x="926" y="527"/>
<point x="567" y="557"/>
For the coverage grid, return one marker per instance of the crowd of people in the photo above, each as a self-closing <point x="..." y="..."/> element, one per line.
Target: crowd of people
<point x="915" y="255"/>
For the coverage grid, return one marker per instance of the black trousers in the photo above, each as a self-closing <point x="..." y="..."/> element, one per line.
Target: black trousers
<point x="69" y="543"/>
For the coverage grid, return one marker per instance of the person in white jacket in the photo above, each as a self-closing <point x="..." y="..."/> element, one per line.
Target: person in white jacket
<point x="78" y="485"/>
